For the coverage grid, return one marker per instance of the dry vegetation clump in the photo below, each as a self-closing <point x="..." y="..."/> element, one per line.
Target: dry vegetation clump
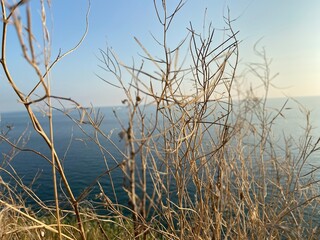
<point x="196" y="163"/>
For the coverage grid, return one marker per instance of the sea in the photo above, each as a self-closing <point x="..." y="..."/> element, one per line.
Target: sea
<point x="83" y="160"/>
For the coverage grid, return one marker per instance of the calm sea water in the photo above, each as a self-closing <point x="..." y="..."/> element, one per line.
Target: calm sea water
<point x="83" y="160"/>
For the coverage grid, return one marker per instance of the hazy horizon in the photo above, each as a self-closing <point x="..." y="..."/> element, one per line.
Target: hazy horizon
<point x="298" y="98"/>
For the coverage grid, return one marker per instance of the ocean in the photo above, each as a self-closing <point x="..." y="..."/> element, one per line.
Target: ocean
<point x="83" y="160"/>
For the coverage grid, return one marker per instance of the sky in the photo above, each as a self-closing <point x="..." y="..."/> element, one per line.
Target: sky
<point x="287" y="29"/>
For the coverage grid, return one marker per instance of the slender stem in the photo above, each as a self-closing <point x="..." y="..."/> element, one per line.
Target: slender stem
<point x="35" y="122"/>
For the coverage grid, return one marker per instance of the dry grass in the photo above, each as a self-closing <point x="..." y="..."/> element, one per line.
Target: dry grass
<point x="196" y="163"/>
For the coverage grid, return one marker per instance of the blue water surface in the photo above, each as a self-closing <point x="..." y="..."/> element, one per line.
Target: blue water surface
<point x="83" y="160"/>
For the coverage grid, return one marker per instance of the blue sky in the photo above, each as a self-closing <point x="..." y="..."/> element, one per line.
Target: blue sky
<point x="288" y="28"/>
